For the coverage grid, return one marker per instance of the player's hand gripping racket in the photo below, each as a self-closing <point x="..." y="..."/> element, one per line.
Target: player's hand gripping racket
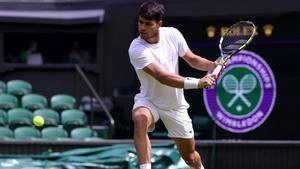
<point x="236" y="38"/>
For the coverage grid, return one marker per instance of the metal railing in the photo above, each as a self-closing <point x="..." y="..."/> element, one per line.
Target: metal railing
<point x="99" y="100"/>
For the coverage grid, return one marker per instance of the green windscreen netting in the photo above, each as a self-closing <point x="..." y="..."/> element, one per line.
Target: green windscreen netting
<point x="120" y="156"/>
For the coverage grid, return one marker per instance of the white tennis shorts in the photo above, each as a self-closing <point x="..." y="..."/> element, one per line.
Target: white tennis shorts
<point x="177" y="122"/>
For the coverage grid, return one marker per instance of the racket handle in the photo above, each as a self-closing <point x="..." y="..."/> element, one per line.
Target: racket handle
<point x="217" y="70"/>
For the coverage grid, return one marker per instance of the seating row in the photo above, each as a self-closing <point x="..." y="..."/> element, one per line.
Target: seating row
<point x="33" y="102"/>
<point x="16" y="87"/>
<point x="48" y="133"/>
<point x="18" y="93"/>
<point x="18" y="117"/>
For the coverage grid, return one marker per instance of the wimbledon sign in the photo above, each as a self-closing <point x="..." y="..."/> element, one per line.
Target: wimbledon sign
<point x="244" y="95"/>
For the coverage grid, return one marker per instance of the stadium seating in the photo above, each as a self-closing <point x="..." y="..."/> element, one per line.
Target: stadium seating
<point x="73" y="118"/>
<point x="61" y="102"/>
<point x="54" y="133"/>
<point x="34" y="101"/>
<point x="8" y="101"/>
<point x="6" y="133"/>
<point x="50" y="116"/>
<point x="18" y="117"/>
<point x="82" y="133"/>
<point x="18" y="106"/>
<point x="203" y="127"/>
<point x="26" y="132"/>
<point x="3" y="118"/>
<point x="18" y="88"/>
<point x="2" y="87"/>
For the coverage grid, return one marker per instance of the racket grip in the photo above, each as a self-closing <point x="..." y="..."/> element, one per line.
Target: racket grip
<point x="217" y="70"/>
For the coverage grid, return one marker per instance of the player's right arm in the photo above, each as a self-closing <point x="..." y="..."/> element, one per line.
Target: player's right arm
<point x="158" y="72"/>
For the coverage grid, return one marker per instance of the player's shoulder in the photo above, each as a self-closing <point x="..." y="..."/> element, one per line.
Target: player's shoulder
<point x="137" y="45"/>
<point x="169" y="31"/>
<point x="137" y="42"/>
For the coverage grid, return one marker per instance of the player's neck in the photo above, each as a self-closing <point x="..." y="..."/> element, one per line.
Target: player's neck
<point x="153" y="39"/>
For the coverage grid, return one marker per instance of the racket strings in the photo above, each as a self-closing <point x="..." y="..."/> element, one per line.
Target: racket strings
<point x="233" y="43"/>
<point x="237" y="36"/>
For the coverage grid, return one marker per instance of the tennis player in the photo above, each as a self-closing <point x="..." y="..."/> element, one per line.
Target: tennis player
<point x="154" y="56"/>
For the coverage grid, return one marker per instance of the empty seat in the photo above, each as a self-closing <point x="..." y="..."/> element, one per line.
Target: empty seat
<point x="8" y="101"/>
<point x="82" y="133"/>
<point x="34" y="101"/>
<point x="2" y="87"/>
<point x="51" y="117"/>
<point x="3" y="118"/>
<point x="62" y="102"/>
<point x="19" y="117"/>
<point x="73" y="118"/>
<point x="6" y="133"/>
<point x="203" y="127"/>
<point x="54" y="133"/>
<point x="26" y="132"/>
<point x="18" y="88"/>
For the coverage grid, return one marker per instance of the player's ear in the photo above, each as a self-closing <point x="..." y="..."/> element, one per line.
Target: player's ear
<point x="160" y="22"/>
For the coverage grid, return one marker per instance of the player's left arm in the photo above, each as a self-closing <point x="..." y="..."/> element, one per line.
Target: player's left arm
<point x="198" y="62"/>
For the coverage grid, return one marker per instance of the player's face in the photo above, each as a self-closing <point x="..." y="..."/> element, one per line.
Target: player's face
<point x="149" y="29"/>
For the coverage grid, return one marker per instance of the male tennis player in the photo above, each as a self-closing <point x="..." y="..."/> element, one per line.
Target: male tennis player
<point x="154" y="56"/>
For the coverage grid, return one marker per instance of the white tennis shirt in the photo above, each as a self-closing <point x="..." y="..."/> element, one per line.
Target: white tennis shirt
<point x="171" y="45"/>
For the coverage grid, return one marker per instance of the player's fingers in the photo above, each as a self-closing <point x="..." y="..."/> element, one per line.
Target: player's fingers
<point x="212" y="82"/>
<point x="211" y="78"/>
<point x="205" y="82"/>
<point x="209" y="82"/>
<point x="208" y="86"/>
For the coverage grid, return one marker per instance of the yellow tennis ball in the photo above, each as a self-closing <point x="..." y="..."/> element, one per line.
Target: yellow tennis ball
<point x="38" y="121"/>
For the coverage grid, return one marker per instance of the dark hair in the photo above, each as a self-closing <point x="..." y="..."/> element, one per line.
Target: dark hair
<point x="152" y="10"/>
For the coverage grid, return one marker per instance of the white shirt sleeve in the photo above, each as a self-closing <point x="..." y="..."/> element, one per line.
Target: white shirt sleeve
<point x="182" y="45"/>
<point x="139" y="56"/>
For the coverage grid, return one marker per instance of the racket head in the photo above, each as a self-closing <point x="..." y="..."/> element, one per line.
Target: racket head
<point x="236" y="38"/>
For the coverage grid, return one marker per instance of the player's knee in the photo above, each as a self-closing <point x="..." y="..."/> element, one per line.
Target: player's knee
<point x="140" y="120"/>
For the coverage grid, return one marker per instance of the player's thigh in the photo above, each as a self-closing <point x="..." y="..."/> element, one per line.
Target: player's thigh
<point x="178" y="123"/>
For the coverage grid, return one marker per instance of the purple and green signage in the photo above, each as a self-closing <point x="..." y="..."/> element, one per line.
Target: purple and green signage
<point x="244" y="95"/>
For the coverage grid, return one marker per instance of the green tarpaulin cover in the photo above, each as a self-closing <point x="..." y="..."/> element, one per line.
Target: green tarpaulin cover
<point x="120" y="156"/>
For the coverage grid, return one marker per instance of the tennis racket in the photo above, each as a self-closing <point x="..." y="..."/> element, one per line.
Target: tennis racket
<point x="236" y="38"/>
